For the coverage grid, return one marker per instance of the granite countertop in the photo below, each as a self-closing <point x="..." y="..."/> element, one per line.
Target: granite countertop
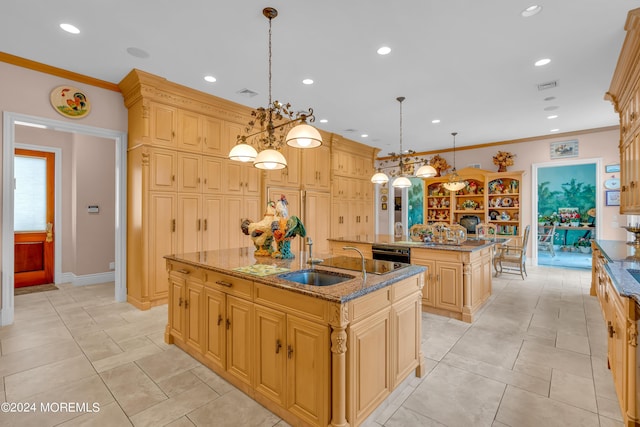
<point x="470" y="245"/>
<point x="622" y="257"/>
<point x="234" y="262"/>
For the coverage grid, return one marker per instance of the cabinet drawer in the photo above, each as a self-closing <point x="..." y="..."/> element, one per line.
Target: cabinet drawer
<point x="369" y="304"/>
<point x="435" y="255"/>
<point x="301" y="305"/>
<point x="185" y="270"/>
<point x="229" y="284"/>
<point x="406" y="287"/>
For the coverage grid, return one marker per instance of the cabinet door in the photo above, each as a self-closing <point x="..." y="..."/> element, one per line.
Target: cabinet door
<point x="405" y="336"/>
<point x="212" y="175"/>
<point x="215" y="327"/>
<point x="162" y="240"/>
<point x="251" y="177"/>
<point x="194" y="320"/>
<point x="212" y="136"/>
<point x="340" y="219"/>
<point x="189" y="223"/>
<point x="369" y="363"/>
<point x="232" y="214"/>
<point x="316" y="220"/>
<point x="189" y="131"/>
<point x="177" y="285"/>
<point x="429" y="289"/>
<point x="230" y="132"/>
<point x="189" y="172"/>
<point x="308" y="376"/>
<point x="163" y="123"/>
<point x="212" y="226"/>
<point x="449" y="286"/>
<point x="239" y="338"/>
<point x="289" y="176"/>
<point x="323" y="165"/>
<point x="162" y="169"/>
<point x="233" y="178"/>
<point x="270" y="353"/>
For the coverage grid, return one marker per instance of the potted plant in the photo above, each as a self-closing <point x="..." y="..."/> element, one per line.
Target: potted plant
<point x="583" y="245"/>
<point x="469" y="204"/>
<point x="554" y="218"/>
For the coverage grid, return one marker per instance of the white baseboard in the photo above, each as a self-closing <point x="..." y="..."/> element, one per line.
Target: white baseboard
<point x="86" y="279"/>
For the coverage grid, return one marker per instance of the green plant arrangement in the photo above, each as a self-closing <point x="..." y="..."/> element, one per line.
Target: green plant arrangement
<point x="469" y="204"/>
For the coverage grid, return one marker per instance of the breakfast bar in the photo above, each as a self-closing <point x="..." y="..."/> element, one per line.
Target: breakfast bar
<point x="317" y="344"/>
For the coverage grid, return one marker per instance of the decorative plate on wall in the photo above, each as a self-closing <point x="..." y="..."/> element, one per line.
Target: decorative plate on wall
<point x="612" y="183"/>
<point x="70" y="102"/>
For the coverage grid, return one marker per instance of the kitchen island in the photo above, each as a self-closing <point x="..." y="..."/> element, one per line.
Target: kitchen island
<point x="314" y="355"/>
<point x="458" y="276"/>
<point x="615" y="276"/>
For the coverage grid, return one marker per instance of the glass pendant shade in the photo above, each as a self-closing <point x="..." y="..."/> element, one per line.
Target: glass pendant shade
<point x="243" y="153"/>
<point x="454" y="183"/>
<point x="379" y="178"/>
<point x="304" y="136"/>
<point x="426" y="171"/>
<point x="402" y="182"/>
<point x="270" y="159"/>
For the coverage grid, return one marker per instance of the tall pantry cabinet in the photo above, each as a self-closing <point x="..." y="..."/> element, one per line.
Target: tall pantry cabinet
<point x="183" y="194"/>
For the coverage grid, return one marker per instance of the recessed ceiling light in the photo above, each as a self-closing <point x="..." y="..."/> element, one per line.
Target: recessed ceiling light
<point x="364" y="135"/>
<point x="555" y="116"/>
<point x="435" y="121"/>
<point x="210" y="79"/>
<point x="531" y="10"/>
<point x="324" y="121"/>
<point x="70" y="28"/>
<point x="307" y="81"/>
<point x="541" y="62"/>
<point x="137" y="52"/>
<point x="384" y="50"/>
<point x="554" y="130"/>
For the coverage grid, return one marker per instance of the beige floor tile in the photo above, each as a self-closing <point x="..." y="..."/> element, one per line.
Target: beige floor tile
<point x="609" y="408"/>
<point x="179" y="383"/>
<point x="524" y="409"/>
<point x="175" y="407"/>
<point x="166" y="364"/>
<point x="603" y="378"/>
<point x="32" y="325"/>
<point x="181" y="422"/>
<point x="131" y="330"/>
<point x="456" y="397"/>
<point x="404" y="417"/>
<point x="574" y="390"/>
<point x="135" y="342"/>
<point x="132" y="388"/>
<point x="213" y="380"/>
<point x="231" y="410"/>
<point x="567" y="361"/>
<point x="481" y="344"/>
<point x="98" y="345"/>
<point x="608" y="422"/>
<point x="109" y="415"/>
<point x="38" y="356"/>
<point x="31" y="339"/>
<point x="125" y="357"/>
<point x="47" y="377"/>
<point x="577" y="343"/>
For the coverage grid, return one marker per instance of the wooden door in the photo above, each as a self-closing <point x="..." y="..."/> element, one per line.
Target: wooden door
<point x="34" y="234"/>
<point x="189" y="223"/>
<point x="162" y="240"/>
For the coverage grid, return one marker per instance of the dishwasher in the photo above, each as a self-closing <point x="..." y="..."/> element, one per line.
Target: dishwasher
<point x="391" y="253"/>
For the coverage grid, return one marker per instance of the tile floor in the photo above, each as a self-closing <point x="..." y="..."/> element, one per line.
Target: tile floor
<point x="536" y="356"/>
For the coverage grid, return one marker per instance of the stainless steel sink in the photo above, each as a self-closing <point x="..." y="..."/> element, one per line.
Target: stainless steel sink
<point x="315" y="277"/>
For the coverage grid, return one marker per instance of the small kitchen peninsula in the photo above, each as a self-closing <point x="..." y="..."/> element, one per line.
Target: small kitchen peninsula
<point x="615" y="280"/>
<point x="313" y="355"/>
<point x="457" y="281"/>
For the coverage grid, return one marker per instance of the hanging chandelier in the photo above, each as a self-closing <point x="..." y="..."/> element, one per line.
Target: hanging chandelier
<point x="272" y="127"/>
<point x="401" y="181"/>
<point x="454" y="183"/>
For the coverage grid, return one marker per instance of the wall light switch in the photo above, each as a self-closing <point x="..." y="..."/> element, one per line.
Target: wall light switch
<point x="93" y="209"/>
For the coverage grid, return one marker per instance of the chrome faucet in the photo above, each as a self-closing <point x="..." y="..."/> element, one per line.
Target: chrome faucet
<point x="364" y="270"/>
<point x="310" y="259"/>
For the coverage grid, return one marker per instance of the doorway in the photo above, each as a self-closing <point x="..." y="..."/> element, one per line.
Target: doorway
<point x="34" y="201"/>
<point x="565" y="201"/>
<point x="8" y="134"/>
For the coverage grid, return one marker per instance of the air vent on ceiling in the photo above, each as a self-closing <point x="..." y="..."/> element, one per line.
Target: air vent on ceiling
<point x="548" y="85"/>
<point x="247" y="92"/>
<point x="350" y="130"/>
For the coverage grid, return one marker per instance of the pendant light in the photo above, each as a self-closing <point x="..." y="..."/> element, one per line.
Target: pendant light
<point x="379" y="178"/>
<point x="401" y="181"/>
<point x="270" y="137"/>
<point x="454" y="183"/>
<point x="426" y="171"/>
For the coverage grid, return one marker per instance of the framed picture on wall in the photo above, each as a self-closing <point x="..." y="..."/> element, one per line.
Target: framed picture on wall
<point x="612" y="168"/>
<point x="612" y="198"/>
<point x="564" y="149"/>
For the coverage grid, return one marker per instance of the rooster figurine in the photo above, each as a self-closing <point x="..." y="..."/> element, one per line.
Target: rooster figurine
<point x="261" y="232"/>
<point x="284" y="229"/>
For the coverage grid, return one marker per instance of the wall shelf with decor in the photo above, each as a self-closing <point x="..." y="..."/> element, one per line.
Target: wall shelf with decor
<point x="492" y="197"/>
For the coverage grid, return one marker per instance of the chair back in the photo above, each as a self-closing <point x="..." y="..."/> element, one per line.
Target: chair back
<point x="525" y="239"/>
<point x="486" y="231"/>
<point x="546" y="233"/>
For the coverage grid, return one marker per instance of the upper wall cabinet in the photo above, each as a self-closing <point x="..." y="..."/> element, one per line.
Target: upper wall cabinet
<point x="624" y="93"/>
<point x="163" y="124"/>
<point x="197" y="132"/>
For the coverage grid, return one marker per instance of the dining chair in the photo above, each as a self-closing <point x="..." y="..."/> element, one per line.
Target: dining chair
<point x="513" y="256"/>
<point x="545" y="238"/>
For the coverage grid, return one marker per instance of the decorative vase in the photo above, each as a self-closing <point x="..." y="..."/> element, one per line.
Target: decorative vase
<point x="502" y="168"/>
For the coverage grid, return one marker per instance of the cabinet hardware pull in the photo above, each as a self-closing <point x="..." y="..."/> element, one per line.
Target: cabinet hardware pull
<point x="182" y="271"/>
<point x="437" y="278"/>
<point x="186" y="303"/>
<point x="278" y="345"/>
<point x="289" y="351"/>
<point x="173" y="134"/>
<point x="219" y="319"/>
<point x="611" y="329"/>
<point x="198" y="225"/>
<point x="198" y="180"/>
<point x="180" y="302"/>
<point x="223" y="283"/>
<point x="228" y="323"/>
<point x="205" y="224"/>
<point x="205" y="181"/>
<point x="173" y="225"/>
<point x="173" y="177"/>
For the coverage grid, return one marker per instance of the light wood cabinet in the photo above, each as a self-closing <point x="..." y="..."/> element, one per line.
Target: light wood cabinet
<point x="317" y="220"/>
<point x="163" y="124"/>
<point x="200" y="133"/>
<point x="237" y="208"/>
<point x="316" y="168"/>
<point x="163" y="169"/>
<point x="624" y="93"/>
<point x="185" y="316"/>
<point x="241" y="179"/>
<point x="162" y="208"/>
<point x="289" y="176"/>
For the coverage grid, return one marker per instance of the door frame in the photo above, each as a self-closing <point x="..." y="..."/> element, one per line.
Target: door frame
<point x="57" y="207"/>
<point x="8" y="138"/>
<point x="534" y="197"/>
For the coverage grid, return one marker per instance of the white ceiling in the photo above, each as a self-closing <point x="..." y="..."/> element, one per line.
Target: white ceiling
<point x="467" y="63"/>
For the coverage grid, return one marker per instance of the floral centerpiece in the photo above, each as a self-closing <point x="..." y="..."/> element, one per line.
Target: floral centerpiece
<point x="439" y="164"/>
<point x="503" y="159"/>
<point x="570" y="215"/>
<point x="469" y="204"/>
<point x="583" y="245"/>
